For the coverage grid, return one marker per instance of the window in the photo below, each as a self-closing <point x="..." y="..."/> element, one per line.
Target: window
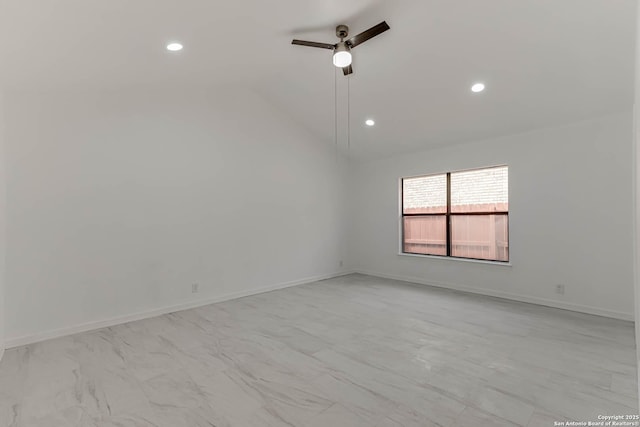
<point x="458" y="214"/>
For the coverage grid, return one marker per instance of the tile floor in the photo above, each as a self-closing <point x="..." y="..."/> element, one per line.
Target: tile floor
<point x="353" y="351"/>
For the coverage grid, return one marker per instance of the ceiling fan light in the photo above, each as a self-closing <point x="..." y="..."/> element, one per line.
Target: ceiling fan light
<point x="174" y="47"/>
<point x="478" y="87"/>
<point x="342" y="56"/>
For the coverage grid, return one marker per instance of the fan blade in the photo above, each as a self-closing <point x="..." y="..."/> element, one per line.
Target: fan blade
<point x="368" y="34"/>
<point x="314" y="44"/>
<point x="347" y="70"/>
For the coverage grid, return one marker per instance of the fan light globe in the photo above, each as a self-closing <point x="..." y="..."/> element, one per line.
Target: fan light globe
<point x="342" y="56"/>
<point x="478" y="87"/>
<point x="174" y="47"/>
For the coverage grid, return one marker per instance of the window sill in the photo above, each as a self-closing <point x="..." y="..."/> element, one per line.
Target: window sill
<point x="474" y="261"/>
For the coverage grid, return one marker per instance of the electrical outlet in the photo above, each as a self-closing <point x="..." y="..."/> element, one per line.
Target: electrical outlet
<point x="341" y="263"/>
<point x="560" y="289"/>
<point x="194" y="288"/>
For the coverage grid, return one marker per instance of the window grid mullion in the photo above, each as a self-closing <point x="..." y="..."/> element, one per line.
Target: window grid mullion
<point x="449" y="214"/>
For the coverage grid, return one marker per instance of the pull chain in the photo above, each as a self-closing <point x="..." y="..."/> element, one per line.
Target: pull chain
<point x="348" y="115"/>
<point x="335" y="110"/>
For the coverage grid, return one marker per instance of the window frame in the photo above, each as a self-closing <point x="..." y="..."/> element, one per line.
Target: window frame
<point x="448" y="215"/>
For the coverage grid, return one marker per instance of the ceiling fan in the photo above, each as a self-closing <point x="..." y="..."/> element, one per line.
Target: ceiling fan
<point x="342" y="50"/>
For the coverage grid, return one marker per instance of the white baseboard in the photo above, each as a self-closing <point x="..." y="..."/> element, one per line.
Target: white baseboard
<point x="505" y="295"/>
<point x="99" y="324"/>
<point x="90" y="326"/>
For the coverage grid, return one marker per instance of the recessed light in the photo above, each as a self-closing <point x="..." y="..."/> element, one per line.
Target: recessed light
<point x="370" y="122"/>
<point x="478" y="87"/>
<point x="174" y="47"/>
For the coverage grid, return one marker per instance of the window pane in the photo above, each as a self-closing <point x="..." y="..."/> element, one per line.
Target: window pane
<point x="480" y="236"/>
<point x="483" y="190"/>
<point x="425" y="194"/>
<point x="425" y="235"/>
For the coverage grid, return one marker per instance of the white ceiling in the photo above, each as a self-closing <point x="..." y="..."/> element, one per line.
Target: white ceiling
<point x="545" y="62"/>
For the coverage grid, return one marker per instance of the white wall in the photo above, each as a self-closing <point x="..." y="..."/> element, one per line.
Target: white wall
<point x="118" y="202"/>
<point x="570" y="217"/>
<point x="636" y="252"/>
<point x="3" y="215"/>
<point x="636" y="171"/>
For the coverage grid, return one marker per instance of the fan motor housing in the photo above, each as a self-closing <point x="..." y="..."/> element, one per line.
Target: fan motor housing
<point x="342" y="31"/>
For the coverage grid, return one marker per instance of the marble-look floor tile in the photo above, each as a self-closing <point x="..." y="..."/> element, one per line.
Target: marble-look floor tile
<point x="476" y="418"/>
<point x="541" y="419"/>
<point x="504" y="405"/>
<point x="624" y="384"/>
<point x="337" y="416"/>
<point x="367" y="404"/>
<point x="352" y="351"/>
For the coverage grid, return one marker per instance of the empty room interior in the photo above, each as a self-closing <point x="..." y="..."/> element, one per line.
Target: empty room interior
<point x="415" y="213"/>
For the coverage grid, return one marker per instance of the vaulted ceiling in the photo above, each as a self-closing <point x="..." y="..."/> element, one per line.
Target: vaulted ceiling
<point x="544" y="62"/>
